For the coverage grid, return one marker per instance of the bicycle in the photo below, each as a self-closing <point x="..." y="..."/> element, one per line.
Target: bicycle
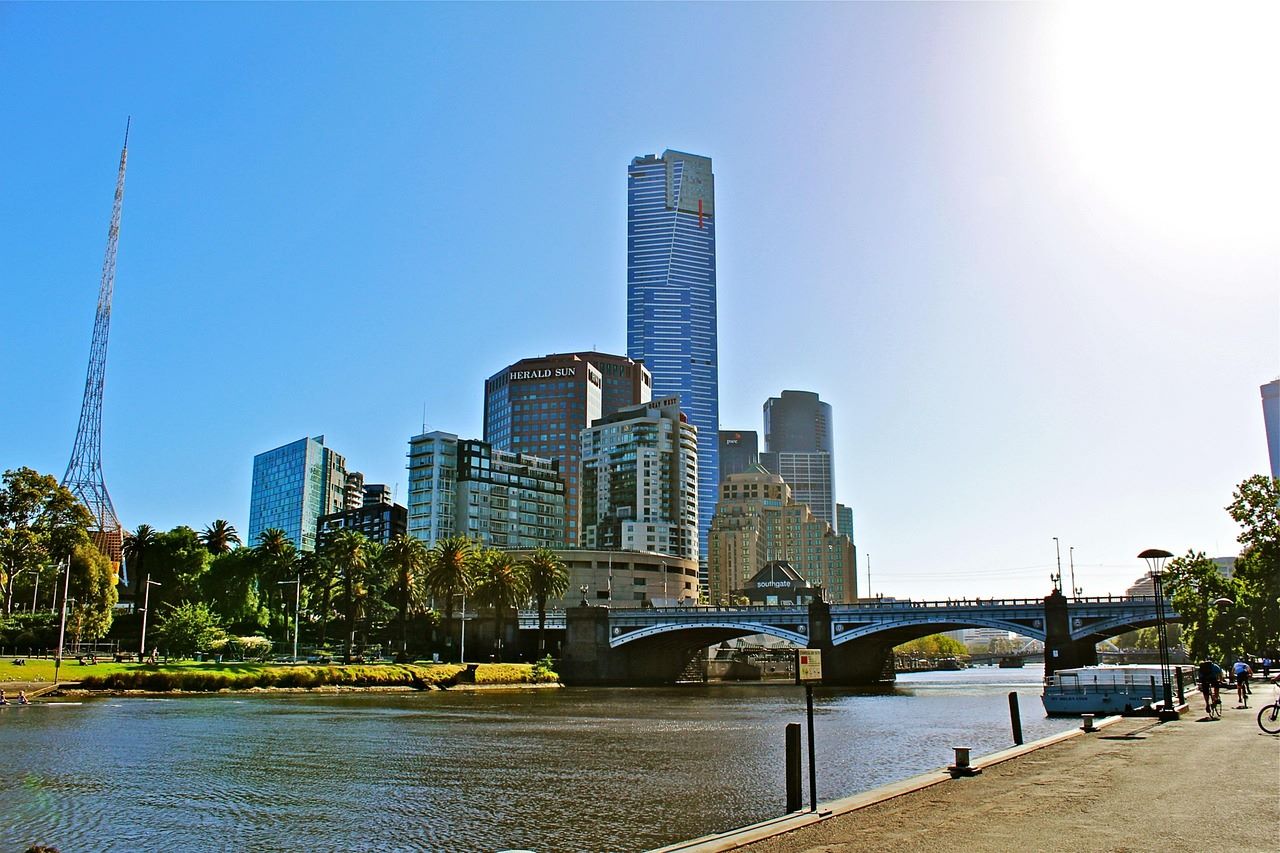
<point x="1212" y="701"/>
<point x="1269" y="715"/>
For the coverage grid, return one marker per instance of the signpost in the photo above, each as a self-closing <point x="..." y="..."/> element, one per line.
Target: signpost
<point x="809" y="670"/>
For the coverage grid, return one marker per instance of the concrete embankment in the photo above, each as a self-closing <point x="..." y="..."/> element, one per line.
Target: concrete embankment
<point x="1135" y="784"/>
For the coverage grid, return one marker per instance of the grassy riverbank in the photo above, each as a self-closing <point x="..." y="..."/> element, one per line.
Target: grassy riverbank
<point x="206" y="676"/>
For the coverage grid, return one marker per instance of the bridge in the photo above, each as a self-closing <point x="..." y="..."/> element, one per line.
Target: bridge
<point x="653" y="645"/>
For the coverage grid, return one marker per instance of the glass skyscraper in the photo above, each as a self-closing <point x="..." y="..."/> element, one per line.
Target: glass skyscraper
<point x="293" y="486"/>
<point x="671" y="297"/>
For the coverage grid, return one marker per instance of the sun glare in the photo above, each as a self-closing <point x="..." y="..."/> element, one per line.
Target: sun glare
<point x="1168" y="113"/>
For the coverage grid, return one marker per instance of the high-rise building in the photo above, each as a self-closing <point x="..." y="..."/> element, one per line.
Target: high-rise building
<point x="640" y="481"/>
<point x="376" y="494"/>
<point x="469" y="488"/>
<point x="293" y="485"/>
<point x="844" y="520"/>
<point x="1271" y="420"/>
<point x="378" y="521"/>
<point x="799" y="445"/>
<point x="671" y="296"/>
<point x="739" y="451"/>
<point x="541" y="405"/>
<point x="758" y="521"/>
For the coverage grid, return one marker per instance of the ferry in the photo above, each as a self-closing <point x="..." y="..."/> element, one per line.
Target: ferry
<point x="1109" y="689"/>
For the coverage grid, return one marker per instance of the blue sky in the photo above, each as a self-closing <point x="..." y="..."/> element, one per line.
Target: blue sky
<point x="1028" y="252"/>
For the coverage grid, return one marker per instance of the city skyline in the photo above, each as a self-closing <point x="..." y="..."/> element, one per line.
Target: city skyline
<point x="1026" y="335"/>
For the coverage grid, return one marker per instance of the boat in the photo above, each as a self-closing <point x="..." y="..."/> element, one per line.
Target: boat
<point x="1119" y="689"/>
<point x="950" y="664"/>
<point x="1012" y="662"/>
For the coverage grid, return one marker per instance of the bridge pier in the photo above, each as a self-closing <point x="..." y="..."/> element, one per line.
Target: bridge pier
<point x="850" y="664"/>
<point x="1060" y="651"/>
<point x="588" y="660"/>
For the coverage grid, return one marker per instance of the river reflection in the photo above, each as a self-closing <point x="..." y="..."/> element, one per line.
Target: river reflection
<point x="546" y="770"/>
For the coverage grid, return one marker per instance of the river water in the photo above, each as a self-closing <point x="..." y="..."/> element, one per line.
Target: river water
<point x="577" y="769"/>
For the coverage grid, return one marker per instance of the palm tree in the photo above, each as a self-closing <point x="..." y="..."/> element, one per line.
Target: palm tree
<point x="135" y="549"/>
<point x="502" y="585"/>
<point x="277" y="554"/>
<point x="449" y="570"/>
<point x="406" y="557"/>
<point x="219" y="537"/>
<point x="347" y="549"/>
<point x="320" y="574"/>
<point x="548" y="578"/>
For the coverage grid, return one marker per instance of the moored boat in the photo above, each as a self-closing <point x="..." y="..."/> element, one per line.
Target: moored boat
<point x="1109" y="689"/>
<point x="1012" y="662"/>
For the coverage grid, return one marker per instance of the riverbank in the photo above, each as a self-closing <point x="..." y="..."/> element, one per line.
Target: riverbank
<point x="1135" y="784"/>
<point x="210" y="677"/>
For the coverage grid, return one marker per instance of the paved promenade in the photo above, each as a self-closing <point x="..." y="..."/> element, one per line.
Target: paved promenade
<point x="1135" y="785"/>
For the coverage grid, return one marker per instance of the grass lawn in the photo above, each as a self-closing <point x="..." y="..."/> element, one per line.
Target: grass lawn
<point x="191" y="675"/>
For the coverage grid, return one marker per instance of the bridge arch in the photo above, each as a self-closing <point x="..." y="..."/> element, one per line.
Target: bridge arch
<point x="923" y="626"/>
<point x="738" y="629"/>
<point x="1115" y="625"/>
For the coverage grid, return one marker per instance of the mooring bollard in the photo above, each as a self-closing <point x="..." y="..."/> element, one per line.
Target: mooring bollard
<point x="961" y="767"/>
<point x="795" y="795"/>
<point x="1088" y="723"/>
<point x="1015" y="718"/>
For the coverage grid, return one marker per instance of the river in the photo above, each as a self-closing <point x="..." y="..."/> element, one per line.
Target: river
<point x="578" y="769"/>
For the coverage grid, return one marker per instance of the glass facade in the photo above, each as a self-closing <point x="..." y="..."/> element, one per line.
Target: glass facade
<point x="671" y="296"/>
<point x="293" y="486"/>
<point x="739" y="451"/>
<point x="800" y="445"/>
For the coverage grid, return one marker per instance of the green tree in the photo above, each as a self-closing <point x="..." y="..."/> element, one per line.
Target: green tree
<point x="219" y="537"/>
<point x="1194" y="583"/>
<point x="277" y="555"/>
<point x="548" y="578"/>
<point x="1256" y="508"/>
<point x="406" y="559"/>
<point x="40" y="523"/>
<point x="188" y="628"/>
<point x="136" y="546"/>
<point x="501" y="583"/>
<point x="320" y="576"/>
<point x="177" y="561"/>
<point x="349" y="551"/>
<point x="932" y="646"/>
<point x="230" y="588"/>
<point x="450" y="566"/>
<point x="92" y="586"/>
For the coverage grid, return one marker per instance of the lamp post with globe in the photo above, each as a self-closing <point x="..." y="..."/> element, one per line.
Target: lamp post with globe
<point x="1155" y="561"/>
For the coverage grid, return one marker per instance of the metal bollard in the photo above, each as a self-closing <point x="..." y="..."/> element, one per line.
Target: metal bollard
<point x="1088" y="723"/>
<point x="961" y="767"/>
<point x="795" y="796"/>
<point x="1015" y="718"/>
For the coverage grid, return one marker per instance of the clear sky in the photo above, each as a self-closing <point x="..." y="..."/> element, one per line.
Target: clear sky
<point x="1028" y="252"/>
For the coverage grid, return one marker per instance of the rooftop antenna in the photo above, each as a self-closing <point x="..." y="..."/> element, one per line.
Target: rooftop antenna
<point x="424" y="416"/>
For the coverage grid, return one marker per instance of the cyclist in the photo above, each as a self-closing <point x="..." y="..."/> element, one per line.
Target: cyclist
<point x="1242" y="671"/>
<point x="1208" y="677"/>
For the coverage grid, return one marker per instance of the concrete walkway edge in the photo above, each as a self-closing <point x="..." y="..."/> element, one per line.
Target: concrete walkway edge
<point x="737" y="838"/>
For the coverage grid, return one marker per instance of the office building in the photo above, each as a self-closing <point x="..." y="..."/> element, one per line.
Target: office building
<point x="757" y="521"/>
<point x="293" y="485"/>
<point x="622" y="579"/>
<point x="379" y="521"/>
<point x="671" y="296"/>
<point x="469" y="488"/>
<point x="844" y="521"/>
<point x="540" y="406"/>
<point x="799" y="446"/>
<point x="377" y="493"/>
<point x="739" y="451"/>
<point x="640" y="481"/>
<point x="1271" y="420"/>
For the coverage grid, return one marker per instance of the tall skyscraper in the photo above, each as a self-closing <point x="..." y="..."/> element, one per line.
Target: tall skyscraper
<point x="640" y="481"/>
<point x="293" y="485"/>
<point x="541" y="406"/>
<point x="739" y="451"/>
<point x="469" y="488"/>
<point x="671" y="296"/>
<point x="799" y="446"/>
<point x="1271" y="420"/>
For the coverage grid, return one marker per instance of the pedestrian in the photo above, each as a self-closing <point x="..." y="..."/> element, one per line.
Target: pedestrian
<point x="1266" y="668"/>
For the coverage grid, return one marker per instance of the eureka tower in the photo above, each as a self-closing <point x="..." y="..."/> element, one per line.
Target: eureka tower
<point x="671" y="298"/>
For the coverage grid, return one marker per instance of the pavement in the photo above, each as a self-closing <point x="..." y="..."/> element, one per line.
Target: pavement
<point x="1135" y="784"/>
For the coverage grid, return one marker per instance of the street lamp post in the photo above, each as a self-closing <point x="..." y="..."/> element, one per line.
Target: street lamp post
<point x="665" y="600"/>
<point x="1071" y="559"/>
<point x="1155" y="560"/>
<point x="297" y="603"/>
<point x="62" y="630"/>
<point x="146" y="604"/>
<point x="1057" y="579"/>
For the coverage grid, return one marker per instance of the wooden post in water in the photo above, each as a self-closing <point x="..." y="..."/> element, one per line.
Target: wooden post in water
<point x="1015" y="718"/>
<point x="795" y="794"/>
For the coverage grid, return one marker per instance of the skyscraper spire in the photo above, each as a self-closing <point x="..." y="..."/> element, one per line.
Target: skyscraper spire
<point x="84" y="471"/>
